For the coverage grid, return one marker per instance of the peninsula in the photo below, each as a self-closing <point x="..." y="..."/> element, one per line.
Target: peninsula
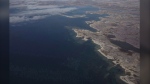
<point x="118" y="35"/>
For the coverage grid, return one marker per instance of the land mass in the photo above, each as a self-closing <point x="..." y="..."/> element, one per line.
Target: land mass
<point x="118" y="35"/>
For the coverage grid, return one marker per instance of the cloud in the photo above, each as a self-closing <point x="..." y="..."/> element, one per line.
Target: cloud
<point x="37" y="12"/>
<point x="33" y="7"/>
<point x="47" y="11"/>
<point x="75" y="16"/>
<point x="16" y="19"/>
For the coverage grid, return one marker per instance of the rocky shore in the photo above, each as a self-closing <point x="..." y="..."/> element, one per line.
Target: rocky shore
<point x="122" y="25"/>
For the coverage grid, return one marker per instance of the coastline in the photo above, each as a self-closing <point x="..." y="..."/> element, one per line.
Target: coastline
<point x="122" y="23"/>
<point x="129" y="62"/>
<point x="125" y="78"/>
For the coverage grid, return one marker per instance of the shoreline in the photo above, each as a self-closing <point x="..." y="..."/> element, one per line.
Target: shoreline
<point x="88" y="34"/>
<point x="110" y="59"/>
<point x="124" y="78"/>
<point x="122" y="23"/>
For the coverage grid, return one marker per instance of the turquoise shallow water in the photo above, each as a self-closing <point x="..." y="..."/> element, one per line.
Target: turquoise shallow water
<point x="45" y="52"/>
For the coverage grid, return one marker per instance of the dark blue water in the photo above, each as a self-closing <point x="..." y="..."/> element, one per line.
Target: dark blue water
<point x="45" y="52"/>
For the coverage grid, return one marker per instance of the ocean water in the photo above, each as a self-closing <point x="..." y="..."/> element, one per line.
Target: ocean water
<point x="45" y="52"/>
